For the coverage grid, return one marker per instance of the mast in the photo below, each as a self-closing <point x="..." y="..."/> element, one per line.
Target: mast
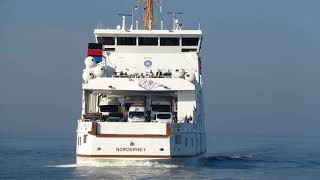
<point x="148" y="18"/>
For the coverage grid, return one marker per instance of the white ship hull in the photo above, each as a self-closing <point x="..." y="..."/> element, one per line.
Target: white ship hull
<point x="142" y="94"/>
<point x="138" y="141"/>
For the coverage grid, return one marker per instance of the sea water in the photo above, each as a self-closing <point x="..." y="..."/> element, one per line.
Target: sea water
<point x="228" y="157"/>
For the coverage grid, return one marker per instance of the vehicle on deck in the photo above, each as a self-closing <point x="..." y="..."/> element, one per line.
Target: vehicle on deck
<point x="136" y="114"/>
<point x="110" y="109"/>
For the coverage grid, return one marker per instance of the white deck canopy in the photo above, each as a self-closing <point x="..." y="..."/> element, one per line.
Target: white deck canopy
<point x="139" y="84"/>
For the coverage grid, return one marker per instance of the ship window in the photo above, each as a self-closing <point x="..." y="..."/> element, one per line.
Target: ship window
<point x="79" y="141"/>
<point x="178" y="139"/>
<point x="148" y="41"/>
<point x="169" y="41"/>
<point x="109" y="49"/>
<point x="126" y="41"/>
<point x="186" y="142"/>
<point x="188" y="50"/>
<point x="136" y="114"/>
<point x="106" y="40"/>
<point x="85" y="138"/>
<point x="190" y="41"/>
<point x="164" y="116"/>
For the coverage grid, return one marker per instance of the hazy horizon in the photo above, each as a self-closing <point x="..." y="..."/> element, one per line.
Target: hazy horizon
<point x="261" y="63"/>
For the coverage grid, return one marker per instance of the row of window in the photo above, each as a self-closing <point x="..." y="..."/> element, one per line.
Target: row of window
<point x="149" y="41"/>
<point x="85" y="139"/>
<point x="178" y="140"/>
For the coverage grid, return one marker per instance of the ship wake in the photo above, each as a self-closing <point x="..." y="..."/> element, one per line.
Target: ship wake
<point x="215" y="161"/>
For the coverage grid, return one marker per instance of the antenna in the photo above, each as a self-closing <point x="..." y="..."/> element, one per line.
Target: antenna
<point x="124" y="19"/>
<point x="174" y="18"/>
<point x="132" y="16"/>
<point x="99" y="25"/>
<point x="160" y="3"/>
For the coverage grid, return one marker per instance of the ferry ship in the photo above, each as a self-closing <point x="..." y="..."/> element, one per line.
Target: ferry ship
<point x="142" y="93"/>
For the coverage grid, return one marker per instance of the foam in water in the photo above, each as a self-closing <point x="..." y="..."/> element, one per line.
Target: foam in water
<point x="117" y="164"/>
<point x="159" y="164"/>
<point x="63" y="166"/>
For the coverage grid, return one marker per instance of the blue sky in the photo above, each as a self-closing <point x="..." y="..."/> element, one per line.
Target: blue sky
<point x="261" y="63"/>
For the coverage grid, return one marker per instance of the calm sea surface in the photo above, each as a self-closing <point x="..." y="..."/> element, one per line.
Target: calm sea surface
<point x="228" y="158"/>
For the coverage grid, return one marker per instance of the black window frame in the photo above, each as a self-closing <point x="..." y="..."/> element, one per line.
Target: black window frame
<point x="121" y="41"/>
<point x="165" y="41"/>
<point x="189" y="50"/>
<point x="111" y="41"/>
<point x="145" y="41"/>
<point x="190" y="41"/>
<point x="164" y="116"/>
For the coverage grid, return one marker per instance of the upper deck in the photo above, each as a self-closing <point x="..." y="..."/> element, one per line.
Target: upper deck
<point x="152" y="41"/>
<point x="145" y="53"/>
<point x="165" y="32"/>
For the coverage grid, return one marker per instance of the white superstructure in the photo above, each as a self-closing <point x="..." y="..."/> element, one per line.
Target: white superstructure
<point x="142" y="95"/>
